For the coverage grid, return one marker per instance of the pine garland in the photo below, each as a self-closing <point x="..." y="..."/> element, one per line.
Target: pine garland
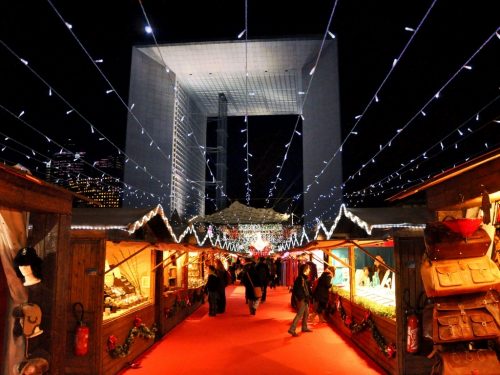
<point x="389" y="350"/>
<point x="138" y="330"/>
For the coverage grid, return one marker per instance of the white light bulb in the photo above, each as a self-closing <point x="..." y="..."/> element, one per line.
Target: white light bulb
<point x="241" y="34"/>
<point x="312" y="71"/>
<point x="332" y="35"/>
<point x="409" y="29"/>
<point x="148" y="29"/>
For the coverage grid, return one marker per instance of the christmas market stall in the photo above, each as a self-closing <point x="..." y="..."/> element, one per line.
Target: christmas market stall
<point x="462" y="238"/>
<point x="365" y="247"/>
<point x="34" y="241"/>
<point x="128" y="268"/>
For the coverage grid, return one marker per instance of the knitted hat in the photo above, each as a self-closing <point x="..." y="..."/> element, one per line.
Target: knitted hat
<point x="27" y="256"/>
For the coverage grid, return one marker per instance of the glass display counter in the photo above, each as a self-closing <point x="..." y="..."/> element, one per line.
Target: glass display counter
<point x="195" y="270"/>
<point x="127" y="286"/>
<point x="366" y="273"/>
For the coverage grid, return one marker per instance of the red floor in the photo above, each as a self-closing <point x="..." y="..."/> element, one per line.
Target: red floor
<point x="236" y="343"/>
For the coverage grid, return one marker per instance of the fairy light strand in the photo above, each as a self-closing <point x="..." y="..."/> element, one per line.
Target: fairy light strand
<point x="143" y="129"/>
<point x="375" y="97"/>
<point x="416" y="115"/>
<point x="93" y="128"/>
<point x="300" y="116"/>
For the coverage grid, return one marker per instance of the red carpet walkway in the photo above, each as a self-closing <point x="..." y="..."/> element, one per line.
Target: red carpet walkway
<point x="236" y="343"/>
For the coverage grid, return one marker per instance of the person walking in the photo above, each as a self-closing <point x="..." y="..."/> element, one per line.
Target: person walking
<point x="212" y="290"/>
<point x="322" y="292"/>
<point x="250" y="281"/>
<point x="302" y="294"/>
<point x="223" y="276"/>
<point x="263" y="276"/>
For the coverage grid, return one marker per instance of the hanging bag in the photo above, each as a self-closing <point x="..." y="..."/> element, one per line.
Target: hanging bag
<point x="466" y="318"/>
<point x="483" y="362"/>
<point x="257" y="290"/>
<point x="456" y="239"/>
<point x="459" y="276"/>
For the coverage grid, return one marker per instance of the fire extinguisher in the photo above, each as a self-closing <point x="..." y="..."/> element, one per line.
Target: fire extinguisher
<point x="413" y="335"/>
<point x="413" y="322"/>
<point x="82" y="332"/>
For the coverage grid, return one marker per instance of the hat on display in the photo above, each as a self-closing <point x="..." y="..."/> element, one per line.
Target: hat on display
<point x="32" y="366"/>
<point x="27" y="256"/>
<point x="28" y="319"/>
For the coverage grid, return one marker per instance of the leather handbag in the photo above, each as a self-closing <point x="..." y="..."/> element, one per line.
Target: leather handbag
<point x="257" y="290"/>
<point x="441" y="242"/>
<point x="459" y="276"/>
<point x="466" y="318"/>
<point x="482" y="361"/>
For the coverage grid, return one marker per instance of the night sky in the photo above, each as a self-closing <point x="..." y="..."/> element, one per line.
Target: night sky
<point x="434" y="130"/>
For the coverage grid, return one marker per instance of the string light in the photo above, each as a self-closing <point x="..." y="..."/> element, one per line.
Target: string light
<point x="425" y="105"/>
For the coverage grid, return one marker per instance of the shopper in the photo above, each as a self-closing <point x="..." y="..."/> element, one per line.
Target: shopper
<point x="249" y="279"/>
<point x="263" y="277"/>
<point x="302" y="293"/>
<point x="223" y="276"/>
<point x="212" y="288"/>
<point x="322" y="292"/>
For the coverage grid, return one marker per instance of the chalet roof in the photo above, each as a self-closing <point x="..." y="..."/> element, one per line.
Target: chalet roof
<point x="489" y="157"/>
<point x="349" y="221"/>
<point x="238" y="213"/>
<point x="117" y="218"/>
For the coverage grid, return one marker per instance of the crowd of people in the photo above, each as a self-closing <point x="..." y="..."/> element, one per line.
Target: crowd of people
<point x="261" y="275"/>
<point x="310" y="293"/>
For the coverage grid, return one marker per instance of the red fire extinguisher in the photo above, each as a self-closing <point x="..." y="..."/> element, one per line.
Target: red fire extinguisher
<point x="412" y="336"/>
<point x="82" y="332"/>
<point x="412" y="322"/>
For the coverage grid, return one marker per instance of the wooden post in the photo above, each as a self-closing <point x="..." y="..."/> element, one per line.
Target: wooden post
<point x="352" y="271"/>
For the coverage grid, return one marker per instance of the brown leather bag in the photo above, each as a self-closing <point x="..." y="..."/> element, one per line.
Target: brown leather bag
<point x="483" y="362"/>
<point x="459" y="276"/>
<point x="466" y="318"/>
<point x="443" y="243"/>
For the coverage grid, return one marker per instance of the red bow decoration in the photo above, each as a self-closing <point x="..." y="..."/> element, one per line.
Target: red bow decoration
<point x="390" y="350"/>
<point x="112" y="340"/>
<point x="137" y="322"/>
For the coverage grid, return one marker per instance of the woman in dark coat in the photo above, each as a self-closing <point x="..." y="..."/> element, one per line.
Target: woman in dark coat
<point x="322" y="291"/>
<point x="222" y="274"/>
<point x="212" y="289"/>
<point x="250" y="280"/>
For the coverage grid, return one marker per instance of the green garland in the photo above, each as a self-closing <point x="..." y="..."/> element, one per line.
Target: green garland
<point x="138" y="330"/>
<point x="375" y="307"/>
<point x="389" y="350"/>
